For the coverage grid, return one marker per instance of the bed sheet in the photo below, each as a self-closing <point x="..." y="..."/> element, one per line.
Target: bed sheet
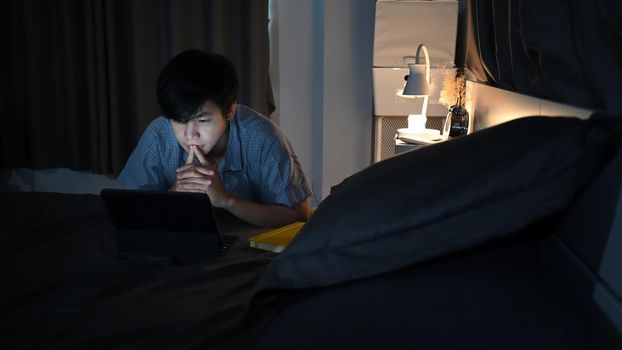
<point x="65" y="285"/>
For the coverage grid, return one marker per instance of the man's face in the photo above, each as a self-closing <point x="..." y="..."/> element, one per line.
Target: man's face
<point x="205" y="130"/>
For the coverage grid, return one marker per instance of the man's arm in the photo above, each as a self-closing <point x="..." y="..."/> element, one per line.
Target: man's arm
<point x="268" y="215"/>
<point x="204" y="178"/>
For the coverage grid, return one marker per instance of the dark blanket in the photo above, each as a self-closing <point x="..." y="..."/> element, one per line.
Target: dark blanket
<point x="65" y="285"/>
<point x="445" y="198"/>
<point x="456" y="246"/>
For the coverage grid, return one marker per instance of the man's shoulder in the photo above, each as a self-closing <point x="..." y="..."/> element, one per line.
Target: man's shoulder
<point x="158" y="136"/>
<point x="159" y="128"/>
<point x="251" y="121"/>
<point x="159" y="124"/>
<point x="246" y="113"/>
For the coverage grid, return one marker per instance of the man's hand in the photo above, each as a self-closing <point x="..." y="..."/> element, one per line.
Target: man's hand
<point x="202" y="178"/>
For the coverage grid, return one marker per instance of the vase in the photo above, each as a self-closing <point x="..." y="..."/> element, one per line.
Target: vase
<point x="456" y="122"/>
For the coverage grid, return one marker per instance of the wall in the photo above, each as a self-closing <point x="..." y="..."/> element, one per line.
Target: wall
<point x="321" y="57"/>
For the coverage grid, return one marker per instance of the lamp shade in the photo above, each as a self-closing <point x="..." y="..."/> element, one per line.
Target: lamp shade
<point x="417" y="83"/>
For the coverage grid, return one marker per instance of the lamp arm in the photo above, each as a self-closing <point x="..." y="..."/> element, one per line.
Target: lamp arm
<point x="424" y="108"/>
<point x="427" y="60"/>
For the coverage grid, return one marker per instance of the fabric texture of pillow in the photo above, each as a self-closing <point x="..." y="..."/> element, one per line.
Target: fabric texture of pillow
<point x="444" y="198"/>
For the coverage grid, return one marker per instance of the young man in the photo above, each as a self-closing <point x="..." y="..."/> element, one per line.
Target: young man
<point x="208" y="143"/>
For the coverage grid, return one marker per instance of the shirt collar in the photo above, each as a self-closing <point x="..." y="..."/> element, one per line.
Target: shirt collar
<point x="233" y="156"/>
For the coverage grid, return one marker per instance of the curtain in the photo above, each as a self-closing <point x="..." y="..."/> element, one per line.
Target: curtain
<point x="78" y="78"/>
<point x="568" y="51"/>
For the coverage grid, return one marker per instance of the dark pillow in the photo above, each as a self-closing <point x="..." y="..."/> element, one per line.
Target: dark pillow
<point x="444" y="198"/>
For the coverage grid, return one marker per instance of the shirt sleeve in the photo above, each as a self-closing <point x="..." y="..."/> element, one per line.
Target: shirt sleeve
<point x="283" y="180"/>
<point x="144" y="170"/>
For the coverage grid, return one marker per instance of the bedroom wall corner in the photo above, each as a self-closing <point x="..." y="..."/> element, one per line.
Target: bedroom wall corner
<point x="321" y="52"/>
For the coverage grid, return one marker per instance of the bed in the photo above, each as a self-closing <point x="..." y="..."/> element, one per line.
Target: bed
<point x="64" y="284"/>
<point x="517" y="249"/>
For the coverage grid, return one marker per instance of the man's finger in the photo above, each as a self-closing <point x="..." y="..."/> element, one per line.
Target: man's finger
<point x="192" y="172"/>
<point x="190" y="155"/>
<point x="205" y="171"/>
<point x="201" y="157"/>
<point x="184" y="167"/>
<point x="194" y="183"/>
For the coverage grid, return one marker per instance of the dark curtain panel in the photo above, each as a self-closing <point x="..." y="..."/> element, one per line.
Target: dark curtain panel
<point x="78" y="78"/>
<point x="568" y="51"/>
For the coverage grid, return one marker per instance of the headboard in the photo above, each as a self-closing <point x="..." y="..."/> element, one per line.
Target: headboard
<point x="559" y="50"/>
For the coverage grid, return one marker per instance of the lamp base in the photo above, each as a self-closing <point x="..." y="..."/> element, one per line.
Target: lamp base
<point x="419" y="136"/>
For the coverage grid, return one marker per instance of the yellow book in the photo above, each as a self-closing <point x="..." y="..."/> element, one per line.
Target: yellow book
<point x="277" y="239"/>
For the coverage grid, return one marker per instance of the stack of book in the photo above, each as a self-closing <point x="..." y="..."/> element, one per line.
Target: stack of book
<point x="276" y="240"/>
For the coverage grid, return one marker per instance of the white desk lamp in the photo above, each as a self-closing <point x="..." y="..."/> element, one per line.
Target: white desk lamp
<point x="417" y="86"/>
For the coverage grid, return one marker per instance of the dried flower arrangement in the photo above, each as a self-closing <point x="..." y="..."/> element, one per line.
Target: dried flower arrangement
<point x="452" y="95"/>
<point x="454" y="88"/>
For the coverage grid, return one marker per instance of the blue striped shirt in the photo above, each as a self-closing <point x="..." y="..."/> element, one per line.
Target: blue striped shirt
<point x="259" y="163"/>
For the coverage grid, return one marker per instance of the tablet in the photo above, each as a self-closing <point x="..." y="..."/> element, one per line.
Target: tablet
<point x="178" y="224"/>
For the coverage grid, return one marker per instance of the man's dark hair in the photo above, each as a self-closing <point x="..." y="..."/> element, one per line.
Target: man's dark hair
<point x="192" y="78"/>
